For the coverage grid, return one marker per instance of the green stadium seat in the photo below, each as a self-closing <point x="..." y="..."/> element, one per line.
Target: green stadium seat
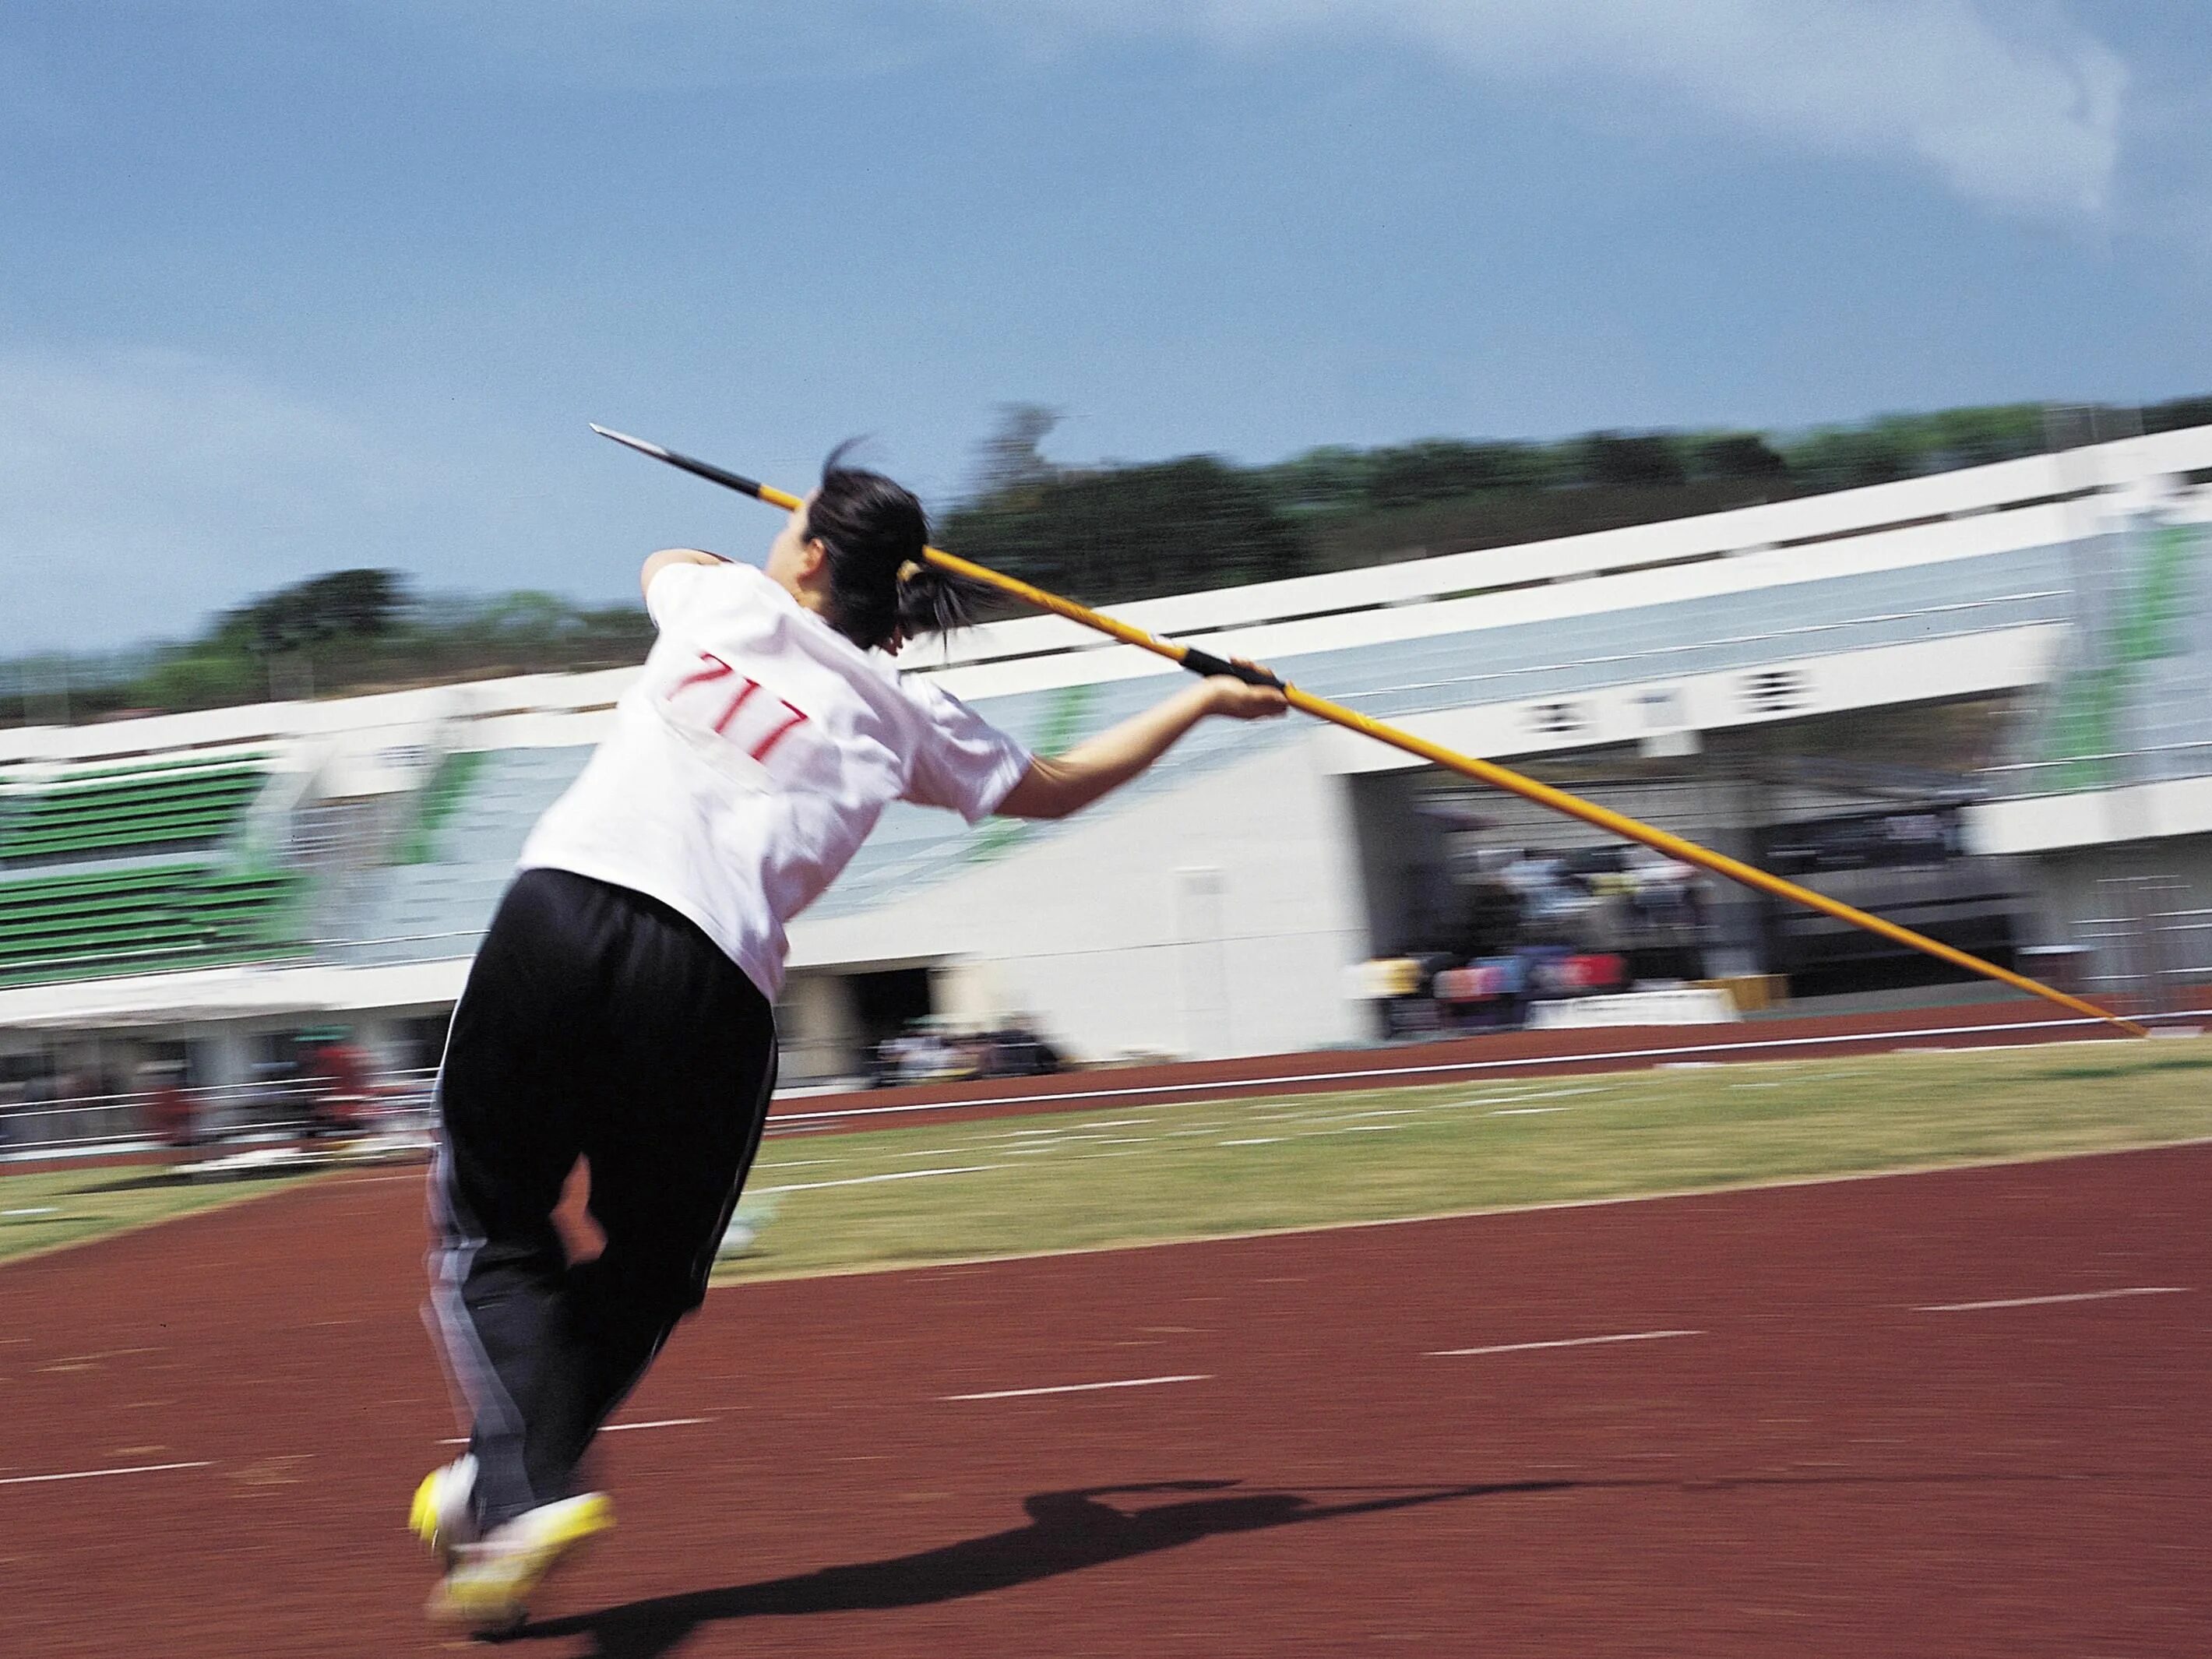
<point x="86" y="925"/>
<point x="115" y="811"/>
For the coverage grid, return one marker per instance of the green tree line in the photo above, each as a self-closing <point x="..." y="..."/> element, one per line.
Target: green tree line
<point x="348" y="632"/>
<point x="1117" y="534"/>
<point x="1105" y="534"/>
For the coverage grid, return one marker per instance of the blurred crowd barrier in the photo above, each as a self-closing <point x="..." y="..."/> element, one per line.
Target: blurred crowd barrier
<point x="338" y="1099"/>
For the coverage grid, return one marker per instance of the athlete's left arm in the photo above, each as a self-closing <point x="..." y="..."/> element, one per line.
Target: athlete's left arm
<point x="1057" y="785"/>
<point x="670" y="555"/>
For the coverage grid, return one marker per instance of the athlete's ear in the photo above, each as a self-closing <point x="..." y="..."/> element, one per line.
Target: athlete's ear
<point x="813" y="557"/>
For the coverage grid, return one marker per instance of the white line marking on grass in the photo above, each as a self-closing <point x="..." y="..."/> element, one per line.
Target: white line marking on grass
<point x="2048" y="1301"/>
<point x="1564" y="1342"/>
<point x="1525" y="1111"/>
<point x="39" y="1209"/>
<point x="1256" y="1140"/>
<point x="94" y="1475"/>
<point x="864" y="1180"/>
<point x="1355" y="1129"/>
<point x="1531" y="1094"/>
<point x="1078" y="1388"/>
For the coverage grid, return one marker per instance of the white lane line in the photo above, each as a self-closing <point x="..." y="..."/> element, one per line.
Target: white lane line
<point x="94" y="1475"/>
<point x="1525" y="1111"/>
<point x="1565" y="1342"/>
<point x="863" y="1181"/>
<point x="1256" y="1140"/>
<point x="2047" y="1301"/>
<point x="1078" y="1388"/>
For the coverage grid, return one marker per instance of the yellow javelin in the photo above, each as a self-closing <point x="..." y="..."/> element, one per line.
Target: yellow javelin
<point x="1482" y="771"/>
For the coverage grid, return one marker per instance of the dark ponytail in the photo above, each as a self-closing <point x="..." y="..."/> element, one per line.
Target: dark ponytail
<point x="873" y="532"/>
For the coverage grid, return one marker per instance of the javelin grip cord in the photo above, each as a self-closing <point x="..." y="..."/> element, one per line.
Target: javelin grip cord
<point x="1205" y="664"/>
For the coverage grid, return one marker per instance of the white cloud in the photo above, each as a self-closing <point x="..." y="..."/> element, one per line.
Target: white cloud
<point x="138" y="488"/>
<point x="2015" y="106"/>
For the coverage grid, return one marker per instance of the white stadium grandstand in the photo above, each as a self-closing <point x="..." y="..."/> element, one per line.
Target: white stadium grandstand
<point x="1980" y="701"/>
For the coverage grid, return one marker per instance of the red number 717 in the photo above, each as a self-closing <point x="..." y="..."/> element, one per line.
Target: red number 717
<point x="716" y="669"/>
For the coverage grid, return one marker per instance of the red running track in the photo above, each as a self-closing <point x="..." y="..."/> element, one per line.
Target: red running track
<point x="1826" y="1466"/>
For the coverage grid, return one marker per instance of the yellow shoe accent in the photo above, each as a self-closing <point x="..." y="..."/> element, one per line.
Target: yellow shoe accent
<point x="491" y="1581"/>
<point x="440" y="1513"/>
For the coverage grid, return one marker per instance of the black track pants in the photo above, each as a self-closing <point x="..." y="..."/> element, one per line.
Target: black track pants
<point x="597" y="1023"/>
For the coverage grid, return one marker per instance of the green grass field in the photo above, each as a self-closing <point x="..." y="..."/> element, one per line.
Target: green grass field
<point x="54" y="1208"/>
<point x="1133" y="1175"/>
<point x="1129" y="1175"/>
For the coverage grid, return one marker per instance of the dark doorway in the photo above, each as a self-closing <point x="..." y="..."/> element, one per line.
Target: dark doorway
<point x="887" y="1002"/>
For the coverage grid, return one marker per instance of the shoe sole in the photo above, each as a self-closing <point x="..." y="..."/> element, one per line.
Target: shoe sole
<point x="497" y="1608"/>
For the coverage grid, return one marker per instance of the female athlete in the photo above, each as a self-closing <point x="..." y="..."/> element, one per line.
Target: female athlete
<point x="620" y="1010"/>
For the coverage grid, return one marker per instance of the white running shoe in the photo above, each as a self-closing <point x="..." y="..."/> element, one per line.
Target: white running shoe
<point x="488" y="1586"/>
<point x="441" y="1515"/>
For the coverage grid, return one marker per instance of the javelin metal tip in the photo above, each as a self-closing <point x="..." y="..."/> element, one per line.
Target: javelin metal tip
<point x="654" y="450"/>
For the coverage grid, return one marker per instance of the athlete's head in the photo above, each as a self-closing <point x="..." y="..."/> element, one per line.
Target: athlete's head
<point x="856" y="545"/>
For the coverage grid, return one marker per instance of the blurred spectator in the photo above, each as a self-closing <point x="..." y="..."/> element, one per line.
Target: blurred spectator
<point x="170" y="1111"/>
<point x="338" y="1090"/>
<point x="924" y="1052"/>
<point x="1014" y="1050"/>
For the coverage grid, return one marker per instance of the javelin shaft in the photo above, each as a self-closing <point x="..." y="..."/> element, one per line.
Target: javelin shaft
<point x="1467" y="766"/>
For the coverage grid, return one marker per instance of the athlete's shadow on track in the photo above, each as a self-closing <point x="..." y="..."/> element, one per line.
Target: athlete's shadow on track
<point x="1067" y="1532"/>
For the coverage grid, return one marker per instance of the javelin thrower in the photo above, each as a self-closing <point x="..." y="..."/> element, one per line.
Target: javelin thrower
<point x="620" y="1010"/>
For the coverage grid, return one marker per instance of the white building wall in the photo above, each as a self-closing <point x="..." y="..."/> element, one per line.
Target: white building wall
<point x="1218" y="920"/>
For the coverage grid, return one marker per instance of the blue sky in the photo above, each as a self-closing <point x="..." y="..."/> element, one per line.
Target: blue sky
<point x="289" y="287"/>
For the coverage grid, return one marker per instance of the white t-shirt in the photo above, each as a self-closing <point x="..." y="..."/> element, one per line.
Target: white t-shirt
<point x="751" y="758"/>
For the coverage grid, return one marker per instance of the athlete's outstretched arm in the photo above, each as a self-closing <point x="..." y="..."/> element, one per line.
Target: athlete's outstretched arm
<point x="1057" y="785"/>
<point x="668" y="556"/>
